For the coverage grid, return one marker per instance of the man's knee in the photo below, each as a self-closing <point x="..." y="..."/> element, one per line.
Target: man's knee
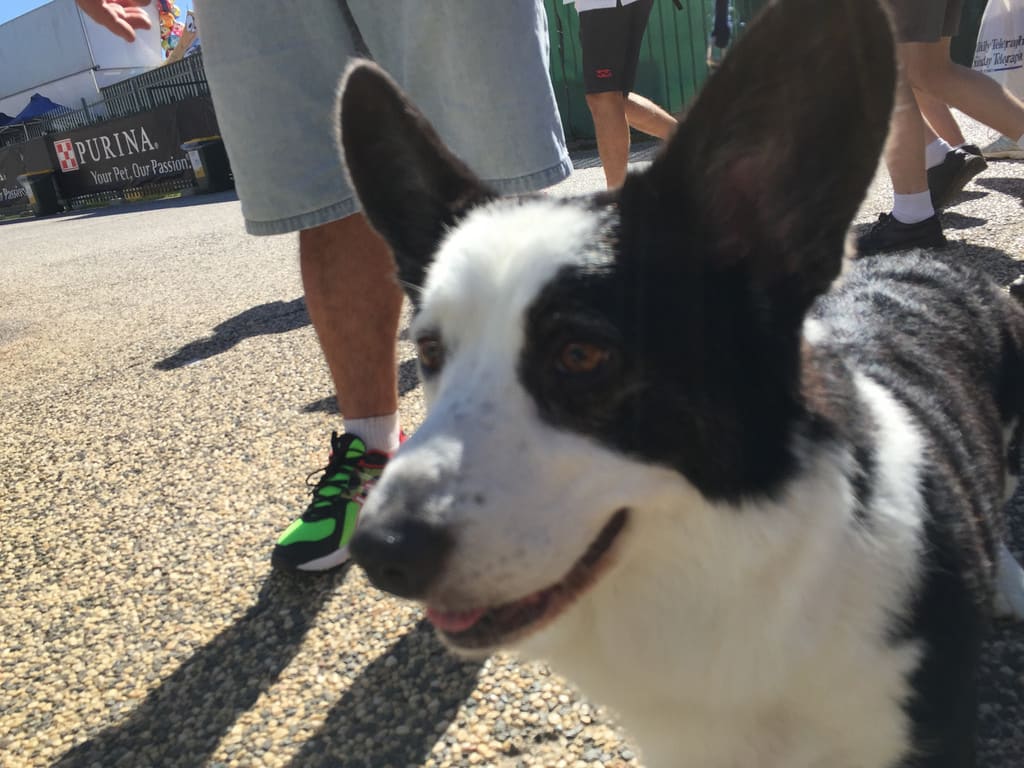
<point x="928" y="81"/>
<point x="607" y="102"/>
<point x="926" y="70"/>
<point x="342" y="237"/>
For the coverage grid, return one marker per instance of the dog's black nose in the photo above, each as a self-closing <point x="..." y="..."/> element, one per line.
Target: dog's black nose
<point x="403" y="557"/>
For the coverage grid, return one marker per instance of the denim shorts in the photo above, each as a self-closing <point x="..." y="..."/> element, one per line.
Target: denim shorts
<point x="478" y="71"/>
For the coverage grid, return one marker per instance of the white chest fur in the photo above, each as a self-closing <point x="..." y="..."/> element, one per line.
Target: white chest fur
<point x="734" y="637"/>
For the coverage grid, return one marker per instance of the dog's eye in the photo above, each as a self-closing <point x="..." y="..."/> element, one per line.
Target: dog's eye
<point x="580" y="357"/>
<point x="431" y="354"/>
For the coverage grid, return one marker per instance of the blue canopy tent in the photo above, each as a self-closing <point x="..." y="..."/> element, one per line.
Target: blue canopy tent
<point x="37" y="106"/>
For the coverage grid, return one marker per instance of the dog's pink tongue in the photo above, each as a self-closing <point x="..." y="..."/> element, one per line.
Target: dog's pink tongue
<point x="454" y="621"/>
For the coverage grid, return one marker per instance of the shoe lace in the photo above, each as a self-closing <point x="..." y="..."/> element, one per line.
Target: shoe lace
<point x="355" y="476"/>
<point x="340" y="475"/>
<point x="883" y="219"/>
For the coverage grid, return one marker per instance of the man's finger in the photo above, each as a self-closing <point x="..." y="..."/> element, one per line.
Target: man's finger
<point x="138" y="18"/>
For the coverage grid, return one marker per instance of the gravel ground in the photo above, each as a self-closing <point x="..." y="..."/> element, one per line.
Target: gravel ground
<point x="163" y="396"/>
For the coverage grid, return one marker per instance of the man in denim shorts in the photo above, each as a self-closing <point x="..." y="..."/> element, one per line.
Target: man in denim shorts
<point x="478" y="71"/>
<point x="611" y="32"/>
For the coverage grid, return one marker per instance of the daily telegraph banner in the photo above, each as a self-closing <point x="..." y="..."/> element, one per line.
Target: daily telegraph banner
<point x="14" y="161"/>
<point x="131" y="152"/>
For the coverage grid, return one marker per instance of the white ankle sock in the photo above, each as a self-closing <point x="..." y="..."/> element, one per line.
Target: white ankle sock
<point x="936" y="152"/>
<point x="911" y="209"/>
<point x="380" y="433"/>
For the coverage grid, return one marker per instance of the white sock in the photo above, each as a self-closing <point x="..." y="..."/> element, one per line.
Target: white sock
<point x="911" y="209"/>
<point x="936" y="152"/>
<point x="380" y="433"/>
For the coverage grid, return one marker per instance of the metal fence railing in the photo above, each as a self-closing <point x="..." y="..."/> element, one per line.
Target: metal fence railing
<point x="172" y="82"/>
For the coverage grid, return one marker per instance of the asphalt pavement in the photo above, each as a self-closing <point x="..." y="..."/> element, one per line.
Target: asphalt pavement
<point x="162" y="398"/>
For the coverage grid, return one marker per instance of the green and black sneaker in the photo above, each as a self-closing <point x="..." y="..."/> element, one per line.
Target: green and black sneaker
<point x="318" y="541"/>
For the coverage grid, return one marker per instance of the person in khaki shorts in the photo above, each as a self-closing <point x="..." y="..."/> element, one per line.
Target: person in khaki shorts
<point x="610" y="35"/>
<point x="479" y="72"/>
<point x="923" y="32"/>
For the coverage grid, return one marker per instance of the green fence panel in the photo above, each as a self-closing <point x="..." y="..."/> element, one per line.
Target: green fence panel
<point x="961" y="47"/>
<point x="567" y="70"/>
<point x="673" y="58"/>
<point x="673" y="63"/>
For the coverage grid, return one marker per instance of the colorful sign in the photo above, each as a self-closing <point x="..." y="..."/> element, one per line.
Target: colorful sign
<point x="170" y="27"/>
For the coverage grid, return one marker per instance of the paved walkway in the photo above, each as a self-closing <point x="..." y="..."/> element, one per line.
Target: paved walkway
<point x="163" y="397"/>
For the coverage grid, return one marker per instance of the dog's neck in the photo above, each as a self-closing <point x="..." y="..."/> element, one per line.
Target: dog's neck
<point x="713" y="579"/>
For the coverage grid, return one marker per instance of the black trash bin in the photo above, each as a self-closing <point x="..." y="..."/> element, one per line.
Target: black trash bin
<point x="41" y="188"/>
<point x="210" y="164"/>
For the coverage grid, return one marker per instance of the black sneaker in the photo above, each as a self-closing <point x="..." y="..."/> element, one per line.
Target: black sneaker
<point x="947" y="178"/>
<point x="890" y="234"/>
<point x="318" y="541"/>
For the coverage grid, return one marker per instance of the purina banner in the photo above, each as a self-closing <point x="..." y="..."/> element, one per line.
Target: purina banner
<point x="130" y="152"/>
<point x="16" y="160"/>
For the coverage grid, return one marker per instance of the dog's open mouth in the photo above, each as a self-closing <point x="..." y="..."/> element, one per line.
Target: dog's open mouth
<point x="489" y="627"/>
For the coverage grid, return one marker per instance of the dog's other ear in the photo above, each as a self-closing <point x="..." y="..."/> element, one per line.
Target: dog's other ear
<point x="410" y="185"/>
<point x="777" y="152"/>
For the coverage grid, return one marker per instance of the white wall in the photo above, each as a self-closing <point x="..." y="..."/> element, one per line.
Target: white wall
<point x="46" y="44"/>
<point x="111" y="52"/>
<point x="54" y="49"/>
<point x="68" y="92"/>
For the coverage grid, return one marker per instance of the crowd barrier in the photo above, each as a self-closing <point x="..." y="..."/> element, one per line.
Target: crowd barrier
<point x="166" y="149"/>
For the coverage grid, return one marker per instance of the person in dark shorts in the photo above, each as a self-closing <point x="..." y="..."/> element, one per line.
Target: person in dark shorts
<point x="923" y="32"/>
<point x="610" y="35"/>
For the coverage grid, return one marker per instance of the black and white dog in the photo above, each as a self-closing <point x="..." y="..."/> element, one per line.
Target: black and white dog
<point x="753" y="508"/>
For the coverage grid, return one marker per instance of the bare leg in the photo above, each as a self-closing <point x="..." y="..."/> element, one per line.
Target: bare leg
<point x="354" y="302"/>
<point x="930" y="70"/>
<point x="904" y="154"/>
<point x="940" y="118"/>
<point x="648" y="117"/>
<point x="612" y="129"/>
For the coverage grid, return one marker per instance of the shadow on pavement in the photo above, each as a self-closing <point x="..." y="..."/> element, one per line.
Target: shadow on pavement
<point x="639" y="151"/>
<point x="999" y="265"/>
<point x="273" y="317"/>
<point x="417" y="684"/>
<point x="966" y="195"/>
<point x="182" y="722"/>
<point x="954" y="220"/>
<point x="1007" y="185"/>
<point x="127" y="207"/>
<point x="408" y="380"/>
<point x="147" y="205"/>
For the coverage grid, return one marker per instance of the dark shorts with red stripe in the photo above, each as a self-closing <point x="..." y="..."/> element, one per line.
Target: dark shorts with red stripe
<point x="925" y="21"/>
<point x="610" y="39"/>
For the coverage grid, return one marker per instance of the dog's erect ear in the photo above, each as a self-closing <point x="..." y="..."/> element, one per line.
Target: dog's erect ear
<point x="777" y="152"/>
<point x="410" y="185"/>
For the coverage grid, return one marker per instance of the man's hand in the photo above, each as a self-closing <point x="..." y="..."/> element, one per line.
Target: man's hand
<point x="122" y="17"/>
